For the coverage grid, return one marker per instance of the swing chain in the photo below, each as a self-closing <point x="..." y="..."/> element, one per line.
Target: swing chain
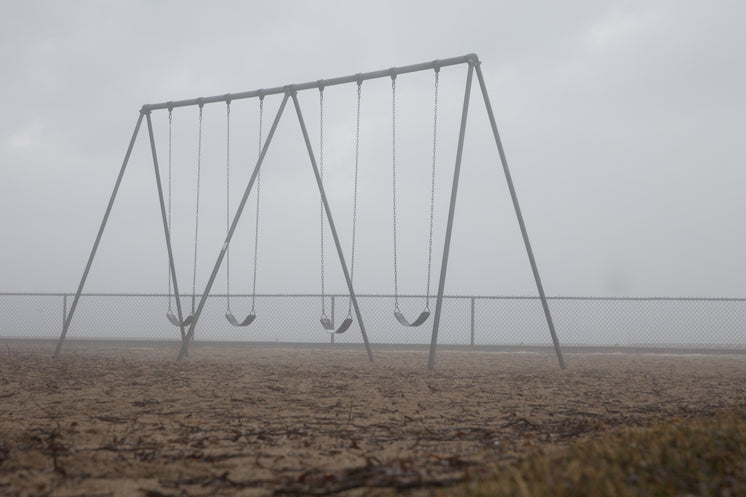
<point x="432" y="190"/>
<point x="256" y="221"/>
<point x="393" y="187"/>
<point x="321" y="209"/>
<point x="354" y="197"/>
<point x="228" y="202"/>
<point x="170" y="125"/>
<point x="196" y="215"/>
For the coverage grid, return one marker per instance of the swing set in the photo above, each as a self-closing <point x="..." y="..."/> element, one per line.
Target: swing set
<point x="188" y="323"/>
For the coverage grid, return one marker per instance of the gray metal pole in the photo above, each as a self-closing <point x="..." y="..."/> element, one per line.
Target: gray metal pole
<point x="451" y="211"/>
<point x="64" y="309"/>
<point x="329" y="218"/>
<point x="472" y="321"/>
<point x="66" y="325"/>
<point x="334" y="301"/>
<point x="519" y="216"/>
<point x="229" y="236"/>
<point x="166" y="229"/>
<point x="315" y="84"/>
<point x="332" y="310"/>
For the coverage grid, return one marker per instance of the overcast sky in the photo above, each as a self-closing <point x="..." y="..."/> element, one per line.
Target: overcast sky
<point x="623" y="124"/>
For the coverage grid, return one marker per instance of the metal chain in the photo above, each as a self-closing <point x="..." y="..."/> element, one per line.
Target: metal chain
<point x="170" y="124"/>
<point x="321" y="210"/>
<point x="432" y="191"/>
<point x="393" y="188"/>
<point x="354" y="196"/>
<point x="196" y="215"/>
<point x="258" y="189"/>
<point x="228" y="203"/>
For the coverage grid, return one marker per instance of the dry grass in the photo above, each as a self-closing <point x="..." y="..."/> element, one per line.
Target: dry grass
<point x="702" y="457"/>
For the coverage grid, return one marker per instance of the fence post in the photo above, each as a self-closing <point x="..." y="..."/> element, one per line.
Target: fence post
<point x="64" y="309"/>
<point x="333" y="318"/>
<point x="472" y="321"/>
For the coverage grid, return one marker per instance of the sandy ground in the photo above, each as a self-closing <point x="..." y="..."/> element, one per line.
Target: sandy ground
<point x="119" y="419"/>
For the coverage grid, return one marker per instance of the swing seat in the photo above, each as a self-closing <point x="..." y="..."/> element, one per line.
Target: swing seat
<point x="235" y="322"/>
<point x="329" y="326"/>
<point x="417" y="322"/>
<point x="175" y="320"/>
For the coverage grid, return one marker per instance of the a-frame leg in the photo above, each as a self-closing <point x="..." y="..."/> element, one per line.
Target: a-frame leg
<point x="474" y="64"/>
<point x="332" y="227"/>
<point x="71" y="312"/>
<point x="519" y="216"/>
<point x="229" y="236"/>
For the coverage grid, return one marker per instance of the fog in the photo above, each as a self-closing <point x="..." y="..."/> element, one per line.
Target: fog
<point x="622" y="125"/>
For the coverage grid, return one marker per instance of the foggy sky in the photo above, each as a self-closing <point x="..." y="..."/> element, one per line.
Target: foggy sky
<point x="622" y="122"/>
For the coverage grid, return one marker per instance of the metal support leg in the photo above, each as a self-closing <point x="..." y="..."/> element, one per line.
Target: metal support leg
<point x="66" y="325"/>
<point x="329" y="218"/>
<point x="166" y="230"/>
<point x="519" y="216"/>
<point x="449" y="226"/>
<point x="229" y="236"/>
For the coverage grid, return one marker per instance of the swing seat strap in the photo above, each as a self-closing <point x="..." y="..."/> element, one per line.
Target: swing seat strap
<point x="235" y="322"/>
<point x="417" y="322"/>
<point x="329" y="326"/>
<point x="175" y="320"/>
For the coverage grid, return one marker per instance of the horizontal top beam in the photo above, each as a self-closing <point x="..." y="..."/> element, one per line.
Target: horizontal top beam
<point x="322" y="83"/>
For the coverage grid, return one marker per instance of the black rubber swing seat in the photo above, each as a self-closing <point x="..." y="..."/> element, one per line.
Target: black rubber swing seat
<point x="235" y="322"/>
<point x="175" y="320"/>
<point x="417" y="322"/>
<point x="329" y="326"/>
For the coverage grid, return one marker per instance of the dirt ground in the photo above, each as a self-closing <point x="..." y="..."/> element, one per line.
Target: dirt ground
<point x="124" y="419"/>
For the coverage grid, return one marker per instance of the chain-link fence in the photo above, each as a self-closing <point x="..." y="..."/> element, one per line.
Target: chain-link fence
<point x="466" y="320"/>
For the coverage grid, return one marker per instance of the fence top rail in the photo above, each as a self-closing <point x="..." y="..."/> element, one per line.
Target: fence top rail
<point x="322" y="83"/>
<point x="385" y="295"/>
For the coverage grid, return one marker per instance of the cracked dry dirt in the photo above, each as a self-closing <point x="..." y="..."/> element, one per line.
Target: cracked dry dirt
<point x="118" y="419"/>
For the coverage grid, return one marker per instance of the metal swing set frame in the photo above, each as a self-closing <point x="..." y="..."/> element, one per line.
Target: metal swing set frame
<point x="289" y="92"/>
